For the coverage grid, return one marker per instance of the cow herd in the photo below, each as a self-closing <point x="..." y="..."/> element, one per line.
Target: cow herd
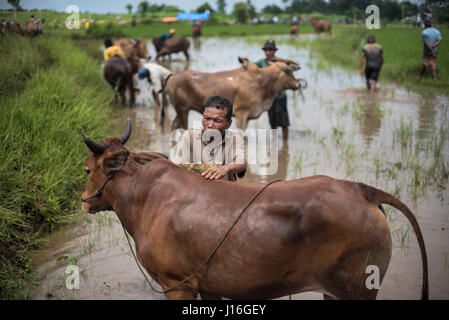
<point x="250" y="88"/>
<point x="32" y="29"/>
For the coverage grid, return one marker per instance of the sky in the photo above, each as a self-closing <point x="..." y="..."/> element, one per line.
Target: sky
<point x="118" y="6"/>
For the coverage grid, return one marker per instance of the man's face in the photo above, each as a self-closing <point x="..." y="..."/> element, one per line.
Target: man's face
<point x="214" y="118"/>
<point x="269" y="53"/>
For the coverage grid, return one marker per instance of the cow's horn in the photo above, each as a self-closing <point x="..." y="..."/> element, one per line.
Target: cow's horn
<point x="125" y="136"/>
<point x="92" y="145"/>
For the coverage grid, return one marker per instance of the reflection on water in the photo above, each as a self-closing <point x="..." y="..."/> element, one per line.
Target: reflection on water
<point x="370" y="119"/>
<point x="196" y="44"/>
<point x="427" y="112"/>
<point x="337" y="129"/>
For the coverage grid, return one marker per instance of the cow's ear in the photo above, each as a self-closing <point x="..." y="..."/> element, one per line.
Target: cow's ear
<point x="244" y="62"/>
<point x="114" y="161"/>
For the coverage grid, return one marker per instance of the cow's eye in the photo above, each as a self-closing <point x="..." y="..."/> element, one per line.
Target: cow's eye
<point x="87" y="171"/>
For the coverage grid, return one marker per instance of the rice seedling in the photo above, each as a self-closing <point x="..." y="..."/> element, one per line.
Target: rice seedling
<point x="404" y="133"/>
<point x="298" y="164"/>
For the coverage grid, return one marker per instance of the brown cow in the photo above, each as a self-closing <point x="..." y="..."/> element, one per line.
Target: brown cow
<point x="138" y="48"/>
<point x="320" y="26"/>
<point x="119" y="74"/>
<point x="34" y="29"/>
<point x="172" y="45"/>
<point x="311" y="234"/>
<point x="250" y="88"/>
<point x="14" y="27"/>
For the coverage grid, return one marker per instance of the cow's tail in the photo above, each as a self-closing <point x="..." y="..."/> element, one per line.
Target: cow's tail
<point x="377" y="197"/>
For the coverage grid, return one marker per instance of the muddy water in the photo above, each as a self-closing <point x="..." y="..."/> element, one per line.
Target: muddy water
<point x="394" y="139"/>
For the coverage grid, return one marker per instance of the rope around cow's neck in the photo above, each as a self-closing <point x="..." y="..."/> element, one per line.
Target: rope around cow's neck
<point x="212" y="252"/>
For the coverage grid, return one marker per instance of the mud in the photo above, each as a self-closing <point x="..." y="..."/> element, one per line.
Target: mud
<point x="394" y="139"/>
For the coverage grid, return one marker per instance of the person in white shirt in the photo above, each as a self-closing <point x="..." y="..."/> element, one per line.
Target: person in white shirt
<point x="157" y="76"/>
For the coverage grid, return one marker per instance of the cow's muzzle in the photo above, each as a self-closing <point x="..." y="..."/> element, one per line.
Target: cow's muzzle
<point x="97" y="192"/>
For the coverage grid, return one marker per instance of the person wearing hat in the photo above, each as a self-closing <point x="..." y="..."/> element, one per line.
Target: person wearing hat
<point x="373" y="54"/>
<point x="278" y="114"/>
<point x="163" y="37"/>
<point x="112" y="51"/>
<point x="431" y="38"/>
<point x="157" y="77"/>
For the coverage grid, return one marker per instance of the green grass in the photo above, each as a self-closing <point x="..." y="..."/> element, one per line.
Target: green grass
<point x="44" y="110"/>
<point x="18" y="63"/>
<point x="402" y="49"/>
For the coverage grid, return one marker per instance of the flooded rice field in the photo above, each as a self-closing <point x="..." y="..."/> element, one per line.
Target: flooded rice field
<point x="394" y="139"/>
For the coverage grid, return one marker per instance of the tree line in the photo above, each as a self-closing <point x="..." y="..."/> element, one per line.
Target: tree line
<point x="389" y="9"/>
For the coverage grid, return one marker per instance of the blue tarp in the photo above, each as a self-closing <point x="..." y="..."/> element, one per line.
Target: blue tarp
<point x="193" y="16"/>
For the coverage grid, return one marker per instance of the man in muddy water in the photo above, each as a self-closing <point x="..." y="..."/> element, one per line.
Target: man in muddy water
<point x="277" y="114"/>
<point x="157" y="77"/>
<point x="431" y="38"/>
<point x="373" y="54"/>
<point x="112" y="51"/>
<point x="214" y="144"/>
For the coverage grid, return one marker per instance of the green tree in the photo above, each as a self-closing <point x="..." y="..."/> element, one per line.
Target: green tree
<point x="170" y="9"/>
<point x="410" y="9"/>
<point x="204" y="7"/>
<point x="251" y="9"/>
<point x="272" y="9"/>
<point x="155" y="8"/>
<point x="390" y="10"/>
<point x="240" y="12"/>
<point x="143" y="7"/>
<point x="221" y="5"/>
<point x="129" y="7"/>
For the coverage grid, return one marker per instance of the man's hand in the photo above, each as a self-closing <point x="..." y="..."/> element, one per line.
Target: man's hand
<point x="362" y="71"/>
<point x="215" y="173"/>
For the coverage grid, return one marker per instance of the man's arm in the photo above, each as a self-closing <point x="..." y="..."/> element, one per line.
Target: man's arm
<point x="381" y="60"/>
<point x="238" y="164"/>
<point x="430" y="47"/>
<point x="219" y="172"/>
<point x="156" y="100"/>
<point x="436" y="44"/>
<point x="362" y="62"/>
